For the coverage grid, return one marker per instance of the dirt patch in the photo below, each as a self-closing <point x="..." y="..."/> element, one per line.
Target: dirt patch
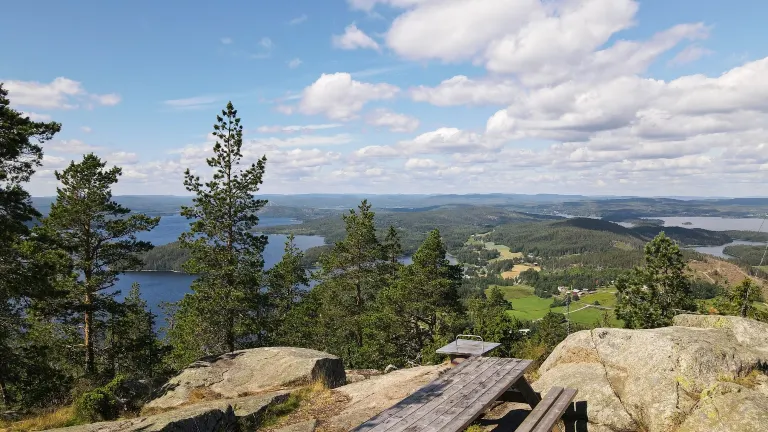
<point x="723" y="273"/>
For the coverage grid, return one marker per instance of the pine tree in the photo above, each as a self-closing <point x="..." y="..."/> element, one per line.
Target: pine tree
<point x="649" y="296"/>
<point x="740" y="300"/>
<point x="224" y="311"/>
<point x="99" y="235"/>
<point x="393" y="250"/>
<point x="22" y="278"/>
<point x="350" y="278"/>
<point x="287" y="283"/>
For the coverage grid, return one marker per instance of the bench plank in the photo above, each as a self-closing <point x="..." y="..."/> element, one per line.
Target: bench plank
<point x="548" y="411"/>
<point x="442" y="387"/>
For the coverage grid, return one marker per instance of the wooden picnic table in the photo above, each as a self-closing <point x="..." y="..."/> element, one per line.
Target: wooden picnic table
<point x="455" y="399"/>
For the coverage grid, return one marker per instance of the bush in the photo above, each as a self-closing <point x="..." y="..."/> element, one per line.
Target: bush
<point x="99" y="404"/>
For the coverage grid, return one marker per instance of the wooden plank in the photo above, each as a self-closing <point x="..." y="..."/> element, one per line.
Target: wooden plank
<point x="530" y="395"/>
<point x="468" y="347"/>
<point x="461" y="415"/>
<point x="417" y="398"/>
<point x="442" y="387"/>
<point x="535" y="416"/>
<point x="556" y="411"/>
<point x="425" y="414"/>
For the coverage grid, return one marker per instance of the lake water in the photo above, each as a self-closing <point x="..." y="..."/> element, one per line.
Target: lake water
<point x="157" y="287"/>
<point x="715" y="223"/>
<point x="718" y="250"/>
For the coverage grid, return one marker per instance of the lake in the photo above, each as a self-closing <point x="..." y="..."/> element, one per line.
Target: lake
<point x="715" y="223"/>
<point x="157" y="287"/>
<point x="718" y="250"/>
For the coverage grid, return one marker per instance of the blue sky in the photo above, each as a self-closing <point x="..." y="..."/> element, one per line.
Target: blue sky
<point x="398" y="96"/>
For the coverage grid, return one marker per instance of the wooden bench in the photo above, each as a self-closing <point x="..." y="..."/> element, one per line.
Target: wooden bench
<point x="548" y="411"/>
<point x="454" y="400"/>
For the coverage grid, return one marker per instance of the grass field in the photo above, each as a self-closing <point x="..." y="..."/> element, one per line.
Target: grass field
<point x="517" y="269"/>
<point x="528" y="306"/>
<point x="503" y="250"/>
<point x="764" y="268"/>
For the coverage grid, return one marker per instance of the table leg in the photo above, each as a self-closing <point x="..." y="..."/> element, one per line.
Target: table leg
<point x="531" y="397"/>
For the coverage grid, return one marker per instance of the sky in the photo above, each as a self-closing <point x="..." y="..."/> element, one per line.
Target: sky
<point x="595" y="97"/>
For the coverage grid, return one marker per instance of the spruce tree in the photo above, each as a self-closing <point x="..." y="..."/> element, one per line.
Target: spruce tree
<point x="425" y="298"/>
<point x="100" y="237"/>
<point x="351" y="277"/>
<point x="287" y="283"/>
<point x="393" y="250"/>
<point x="224" y="311"/>
<point x="649" y="296"/>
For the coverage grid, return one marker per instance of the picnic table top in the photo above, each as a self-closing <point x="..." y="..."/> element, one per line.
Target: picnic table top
<point x="468" y="347"/>
<point x="452" y="401"/>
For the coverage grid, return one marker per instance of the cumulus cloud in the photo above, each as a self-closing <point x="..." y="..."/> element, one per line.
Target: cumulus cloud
<point x="395" y="122"/>
<point x="461" y="90"/>
<point x="61" y="93"/>
<point x="72" y="146"/>
<point x="297" y="128"/>
<point x="354" y="38"/>
<point x="298" y="20"/>
<point x="339" y="97"/>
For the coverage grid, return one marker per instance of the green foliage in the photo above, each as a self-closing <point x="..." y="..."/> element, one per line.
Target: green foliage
<point x="287" y="283"/>
<point x="649" y="296"/>
<point x="167" y="257"/>
<point x="23" y="276"/>
<point x="99" y="404"/>
<point x="740" y="300"/>
<point x="751" y="255"/>
<point x="98" y="234"/>
<point x="222" y="314"/>
<point x="422" y="304"/>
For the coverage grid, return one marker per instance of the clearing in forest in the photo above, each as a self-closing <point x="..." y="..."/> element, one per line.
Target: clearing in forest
<point x="517" y="269"/>
<point x="526" y="306"/>
<point x="503" y="250"/>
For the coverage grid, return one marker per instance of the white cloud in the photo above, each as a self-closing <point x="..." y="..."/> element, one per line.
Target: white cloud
<point x="416" y="164"/>
<point x="298" y="20"/>
<point x="61" y="93"/>
<point x="339" y="97"/>
<point x="285" y="109"/>
<point x="354" y="38"/>
<point x="122" y="158"/>
<point x="227" y="41"/>
<point x="461" y="90"/>
<point x="266" y="43"/>
<point x="690" y="54"/>
<point x="86" y="129"/>
<point x="393" y="121"/>
<point x="294" y="63"/>
<point x="195" y="102"/>
<point x="71" y="146"/>
<point x="37" y="117"/>
<point x="297" y="128"/>
<point x="304" y="140"/>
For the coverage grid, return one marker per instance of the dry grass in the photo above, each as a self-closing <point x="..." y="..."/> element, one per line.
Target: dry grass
<point x="58" y="418"/>
<point x="517" y="269"/>
<point x="315" y="401"/>
<point x="201" y="394"/>
<point x="749" y="381"/>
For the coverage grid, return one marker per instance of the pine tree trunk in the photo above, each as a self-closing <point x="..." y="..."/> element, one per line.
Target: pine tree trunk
<point x="4" y="398"/>
<point x="90" y="364"/>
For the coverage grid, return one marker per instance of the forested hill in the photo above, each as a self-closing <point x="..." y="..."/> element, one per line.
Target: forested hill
<point x="582" y="235"/>
<point x="455" y="222"/>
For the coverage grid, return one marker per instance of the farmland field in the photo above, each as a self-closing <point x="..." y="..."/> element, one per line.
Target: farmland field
<point x="517" y="269"/>
<point x="503" y="250"/>
<point x="528" y="306"/>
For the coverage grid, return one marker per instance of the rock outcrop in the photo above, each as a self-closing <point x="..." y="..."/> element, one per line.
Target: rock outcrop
<point x="251" y="371"/>
<point x="218" y="415"/>
<point x="702" y="374"/>
<point x="377" y="393"/>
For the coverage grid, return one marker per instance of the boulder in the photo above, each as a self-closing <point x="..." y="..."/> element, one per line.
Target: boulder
<point x="660" y="379"/>
<point x="251" y="371"/>
<point x="379" y="392"/>
<point x="210" y="416"/>
<point x="306" y="426"/>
